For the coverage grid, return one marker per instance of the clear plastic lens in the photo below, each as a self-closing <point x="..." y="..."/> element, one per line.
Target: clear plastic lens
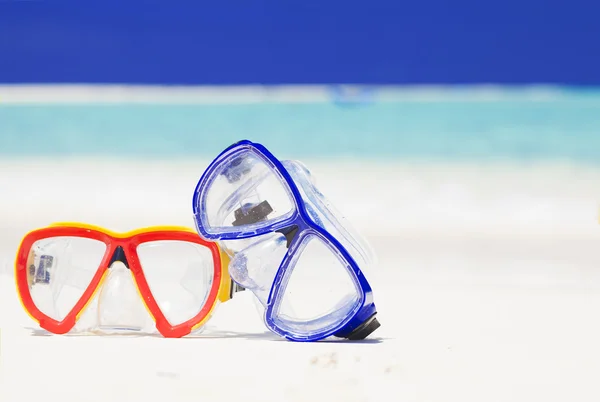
<point x="244" y="193"/>
<point x="319" y="291"/>
<point x="324" y="214"/>
<point x="59" y="270"/>
<point x="180" y="276"/>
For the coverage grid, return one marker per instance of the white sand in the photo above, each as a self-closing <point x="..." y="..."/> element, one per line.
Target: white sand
<point x="488" y="288"/>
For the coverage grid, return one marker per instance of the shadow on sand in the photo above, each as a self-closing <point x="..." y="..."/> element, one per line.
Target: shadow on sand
<point x="208" y="333"/>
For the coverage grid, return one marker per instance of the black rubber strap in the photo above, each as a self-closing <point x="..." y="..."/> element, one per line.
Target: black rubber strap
<point x="234" y="288"/>
<point x="255" y="214"/>
<point x="365" y="329"/>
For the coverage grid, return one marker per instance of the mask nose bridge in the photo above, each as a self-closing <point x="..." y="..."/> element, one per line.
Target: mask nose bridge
<point x="119" y="255"/>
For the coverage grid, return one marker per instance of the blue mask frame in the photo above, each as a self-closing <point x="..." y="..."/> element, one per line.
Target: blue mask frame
<point x="361" y="321"/>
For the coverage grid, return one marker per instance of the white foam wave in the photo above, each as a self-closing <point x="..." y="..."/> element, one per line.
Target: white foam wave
<point x="114" y="93"/>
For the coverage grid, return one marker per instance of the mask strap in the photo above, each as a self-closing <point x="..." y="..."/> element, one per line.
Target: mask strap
<point x="235" y="288"/>
<point x="254" y="214"/>
<point x="363" y="330"/>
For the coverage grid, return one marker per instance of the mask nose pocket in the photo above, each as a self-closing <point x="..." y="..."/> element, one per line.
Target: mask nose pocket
<point x="255" y="266"/>
<point x="119" y="306"/>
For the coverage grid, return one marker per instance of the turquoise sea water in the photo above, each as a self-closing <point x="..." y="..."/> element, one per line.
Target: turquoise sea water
<point x="567" y="128"/>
